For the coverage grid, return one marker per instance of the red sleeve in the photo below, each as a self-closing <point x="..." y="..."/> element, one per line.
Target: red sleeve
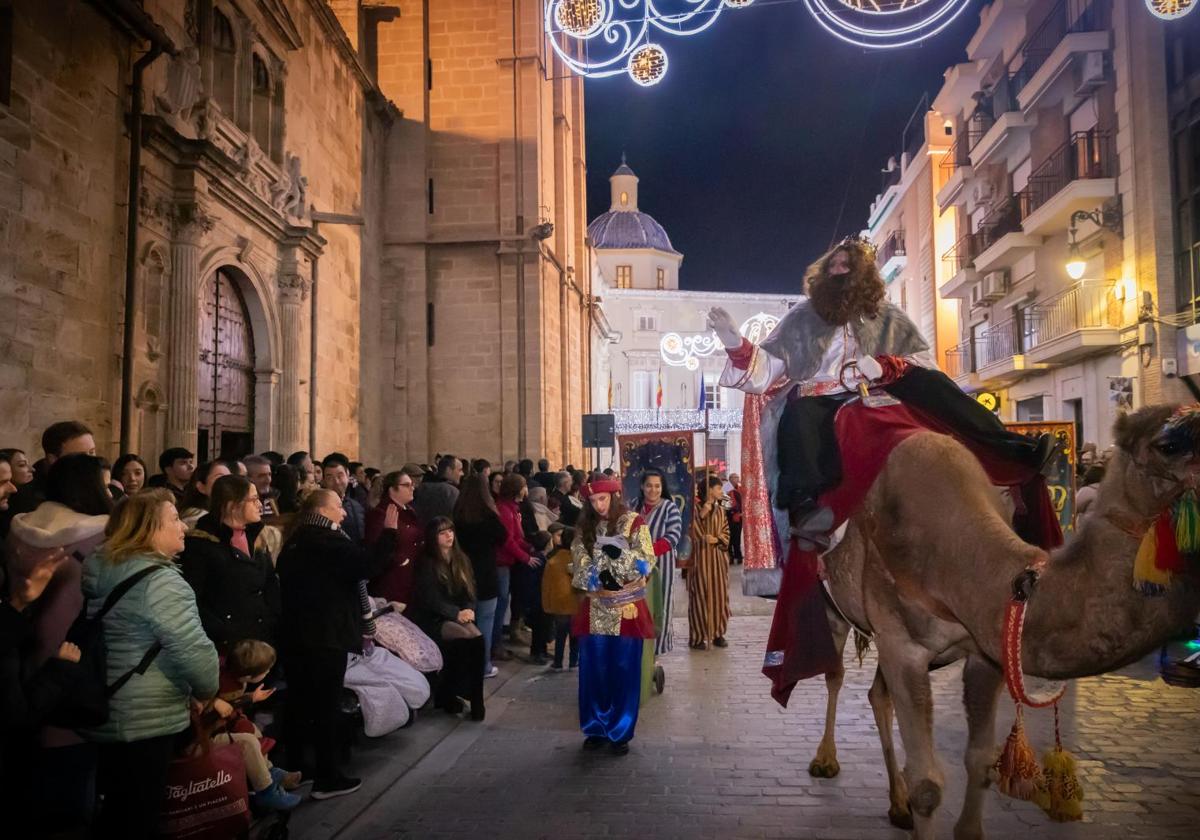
<point x="893" y="368"/>
<point x="661" y="547"/>
<point x="740" y="356"/>
<point x="515" y="549"/>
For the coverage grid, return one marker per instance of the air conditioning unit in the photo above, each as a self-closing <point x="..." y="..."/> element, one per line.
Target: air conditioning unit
<point x="1091" y="73"/>
<point x="977" y="299"/>
<point x="993" y="286"/>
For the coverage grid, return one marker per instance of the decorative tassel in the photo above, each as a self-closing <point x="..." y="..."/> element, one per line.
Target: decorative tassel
<point x="1148" y="578"/>
<point x="1019" y="775"/>
<point x="1187" y="530"/>
<point x="1064" y="793"/>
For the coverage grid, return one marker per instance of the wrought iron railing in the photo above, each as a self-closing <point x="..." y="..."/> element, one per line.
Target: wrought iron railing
<point x="979" y="122"/>
<point x="1088" y="154"/>
<point x="1085" y="305"/>
<point x="962" y="254"/>
<point x="893" y="246"/>
<point x="1002" y="341"/>
<point x="718" y="420"/>
<point x="958" y="361"/>
<point x="1005" y="218"/>
<point x="958" y="155"/>
<point x="1066" y="17"/>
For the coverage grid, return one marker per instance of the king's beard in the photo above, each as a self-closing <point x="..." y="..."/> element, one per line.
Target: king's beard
<point x="833" y="299"/>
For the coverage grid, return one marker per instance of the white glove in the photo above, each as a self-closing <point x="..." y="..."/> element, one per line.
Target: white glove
<point x="721" y="322"/>
<point x="870" y="368"/>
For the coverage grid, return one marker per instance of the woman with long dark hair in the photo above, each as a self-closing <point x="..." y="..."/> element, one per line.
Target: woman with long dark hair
<point x="230" y="569"/>
<point x="515" y="551"/>
<point x="611" y="557"/>
<point x="665" y="522"/>
<point x="481" y="534"/>
<point x="194" y="504"/>
<point x="444" y="608"/>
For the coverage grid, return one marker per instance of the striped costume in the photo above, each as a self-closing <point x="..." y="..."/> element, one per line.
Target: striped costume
<point x="666" y="529"/>
<point x="708" y="576"/>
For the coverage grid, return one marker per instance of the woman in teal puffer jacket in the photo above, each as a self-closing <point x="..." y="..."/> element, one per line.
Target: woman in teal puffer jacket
<point x="149" y="714"/>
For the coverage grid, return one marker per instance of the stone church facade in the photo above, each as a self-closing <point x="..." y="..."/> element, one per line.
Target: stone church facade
<point x="334" y="205"/>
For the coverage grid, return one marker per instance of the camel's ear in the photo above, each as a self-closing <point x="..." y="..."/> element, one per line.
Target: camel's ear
<point x="1139" y="426"/>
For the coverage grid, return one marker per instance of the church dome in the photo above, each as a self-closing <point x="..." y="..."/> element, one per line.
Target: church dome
<point x="629" y="229"/>
<point x="625" y="227"/>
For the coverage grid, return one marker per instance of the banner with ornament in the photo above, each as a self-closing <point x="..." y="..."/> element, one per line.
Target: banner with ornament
<point x="1060" y="480"/>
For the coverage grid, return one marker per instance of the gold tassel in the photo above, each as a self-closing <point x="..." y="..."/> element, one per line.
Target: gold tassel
<point x="1147" y="577"/>
<point x="1062" y="785"/>
<point x="1019" y="775"/>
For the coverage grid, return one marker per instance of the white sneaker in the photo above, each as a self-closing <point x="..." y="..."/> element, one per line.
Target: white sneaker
<point x="491" y="672"/>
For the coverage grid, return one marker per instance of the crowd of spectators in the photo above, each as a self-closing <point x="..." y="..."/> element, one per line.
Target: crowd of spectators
<point x="241" y="600"/>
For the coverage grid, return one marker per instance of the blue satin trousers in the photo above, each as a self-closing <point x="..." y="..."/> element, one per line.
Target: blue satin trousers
<point x="610" y="685"/>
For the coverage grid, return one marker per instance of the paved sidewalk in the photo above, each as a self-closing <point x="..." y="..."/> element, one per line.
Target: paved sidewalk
<point x="714" y="757"/>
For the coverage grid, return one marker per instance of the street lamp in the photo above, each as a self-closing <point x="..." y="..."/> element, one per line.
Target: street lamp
<point x="1107" y="216"/>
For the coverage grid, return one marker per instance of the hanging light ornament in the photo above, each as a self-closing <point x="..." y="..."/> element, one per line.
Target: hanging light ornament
<point x="579" y="18"/>
<point x="1170" y="9"/>
<point x="648" y="64"/>
<point x="884" y="24"/>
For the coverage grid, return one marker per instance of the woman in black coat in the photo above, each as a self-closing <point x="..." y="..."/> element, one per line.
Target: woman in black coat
<point x="319" y="572"/>
<point x="480" y="534"/>
<point x="444" y="608"/>
<point x="235" y="584"/>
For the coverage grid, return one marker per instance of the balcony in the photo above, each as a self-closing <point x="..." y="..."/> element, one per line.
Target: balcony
<point x="720" y="421"/>
<point x="1007" y="130"/>
<point x="1083" y="320"/>
<point x="999" y="361"/>
<point x="1041" y="67"/>
<point x="1002" y="241"/>
<point x="1077" y="176"/>
<point x="959" y="366"/>
<point x="956" y="169"/>
<point x="892" y="256"/>
<point x="995" y="22"/>
<point x="958" y="261"/>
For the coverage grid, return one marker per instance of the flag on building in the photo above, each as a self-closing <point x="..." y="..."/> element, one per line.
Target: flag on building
<point x="610" y="389"/>
<point x="658" y="394"/>
<point x="703" y="402"/>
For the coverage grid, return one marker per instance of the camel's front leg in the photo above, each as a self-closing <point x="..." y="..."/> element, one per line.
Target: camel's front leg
<point x="981" y="689"/>
<point x="881" y="705"/>
<point x="825" y="764"/>
<point x="905" y="667"/>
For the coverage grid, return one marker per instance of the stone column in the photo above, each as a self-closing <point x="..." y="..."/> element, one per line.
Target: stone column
<point x="191" y="223"/>
<point x="293" y="292"/>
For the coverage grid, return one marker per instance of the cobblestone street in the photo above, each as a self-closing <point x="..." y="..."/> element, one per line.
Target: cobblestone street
<point x="714" y="757"/>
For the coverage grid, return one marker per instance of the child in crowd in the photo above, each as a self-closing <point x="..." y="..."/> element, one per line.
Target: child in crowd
<point x="245" y="667"/>
<point x="535" y="616"/>
<point x="559" y="600"/>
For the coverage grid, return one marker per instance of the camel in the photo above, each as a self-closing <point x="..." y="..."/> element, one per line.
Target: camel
<point x="927" y="566"/>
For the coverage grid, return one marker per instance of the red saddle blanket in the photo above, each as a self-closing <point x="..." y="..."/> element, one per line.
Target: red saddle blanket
<point x="801" y="643"/>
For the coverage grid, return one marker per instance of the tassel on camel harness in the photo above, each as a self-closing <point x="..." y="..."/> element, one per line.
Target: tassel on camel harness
<point x="1063" y="794"/>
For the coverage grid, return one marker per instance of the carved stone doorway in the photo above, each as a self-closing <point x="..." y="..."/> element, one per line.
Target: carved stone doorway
<point x="226" y="374"/>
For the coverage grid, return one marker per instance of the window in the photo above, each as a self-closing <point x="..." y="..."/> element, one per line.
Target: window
<point x="624" y="199"/>
<point x="224" y="64"/>
<point x="662" y="278"/>
<point x="624" y="277"/>
<point x="647" y="322"/>
<point x="260" y="105"/>
<point x="6" y="51"/>
<point x="641" y="392"/>
<point x="1032" y="410"/>
<point x="713" y="391"/>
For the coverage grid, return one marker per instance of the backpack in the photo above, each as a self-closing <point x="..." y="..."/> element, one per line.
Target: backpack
<point x="87" y="705"/>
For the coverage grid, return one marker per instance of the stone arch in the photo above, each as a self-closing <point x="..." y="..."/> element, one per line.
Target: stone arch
<point x="259" y="300"/>
<point x="151" y="418"/>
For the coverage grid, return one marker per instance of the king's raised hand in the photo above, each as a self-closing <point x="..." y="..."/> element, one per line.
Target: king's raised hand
<point x="721" y="322"/>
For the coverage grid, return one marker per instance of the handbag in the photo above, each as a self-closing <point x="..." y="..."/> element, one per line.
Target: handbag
<point x="207" y="795"/>
<point x="454" y="630"/>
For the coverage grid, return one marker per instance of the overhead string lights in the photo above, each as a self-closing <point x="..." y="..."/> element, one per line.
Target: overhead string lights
<point x="601" y="38"/>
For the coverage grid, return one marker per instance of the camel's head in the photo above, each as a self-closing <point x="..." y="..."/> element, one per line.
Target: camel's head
<point x="1162" y="443"/>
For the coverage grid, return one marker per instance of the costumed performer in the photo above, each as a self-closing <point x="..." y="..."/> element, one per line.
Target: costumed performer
<point x="708" y="568"/>
<point x="842" y="336"/>
<point x="611" y="557"/>
<point x="665" y="522"/>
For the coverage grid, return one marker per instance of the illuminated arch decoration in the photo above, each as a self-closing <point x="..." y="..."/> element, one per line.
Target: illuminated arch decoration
<point x="758" y="327"/>
<point x="686" y="351"/>
<point x="884" y="24"/>
<point x="600" y="38"/>
<point x="1171" y="9"/>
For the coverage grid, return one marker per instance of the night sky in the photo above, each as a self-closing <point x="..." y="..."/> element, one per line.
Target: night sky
<point x="744" y="149"/>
